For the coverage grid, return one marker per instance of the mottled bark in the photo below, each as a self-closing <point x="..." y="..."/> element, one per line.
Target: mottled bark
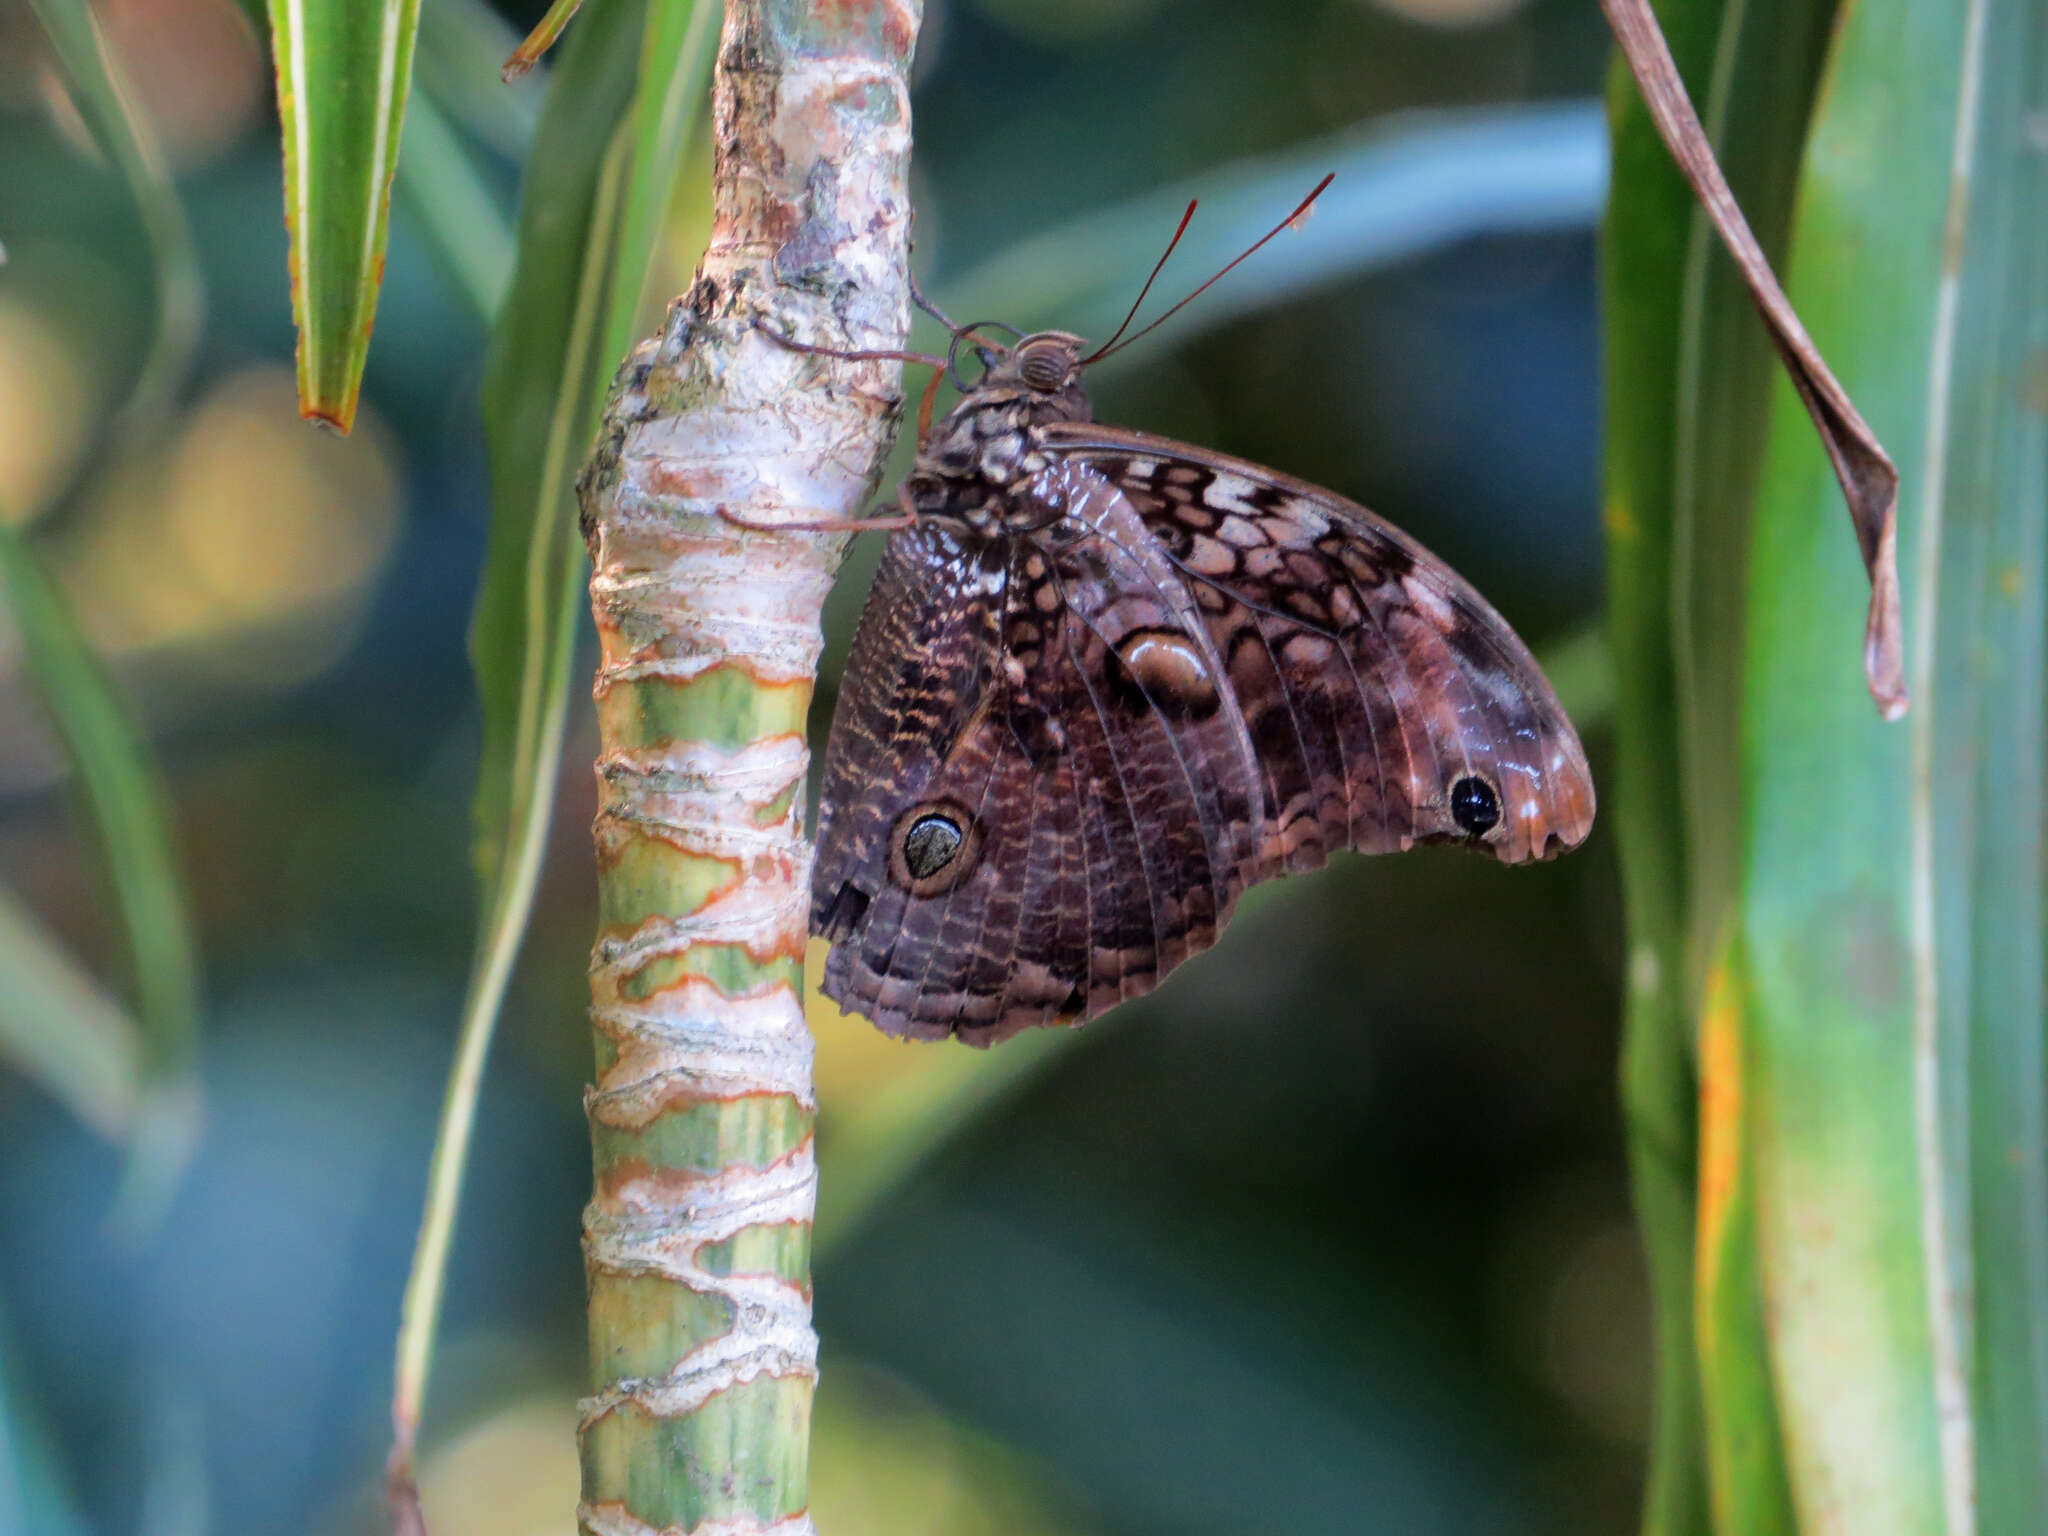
<point x="697" y="1239"/>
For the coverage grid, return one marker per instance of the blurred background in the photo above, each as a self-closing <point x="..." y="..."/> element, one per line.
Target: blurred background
<point x="1330" y="1234"/>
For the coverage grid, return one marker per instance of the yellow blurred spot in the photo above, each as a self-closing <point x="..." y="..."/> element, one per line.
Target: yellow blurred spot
<point x="196" y="67"/>
<point x="248" y="532"/>
<point x="1618" y="519"/>
<point x="856" y="1061"/>
<point x="1450" y="13"/>
<point x="884" y="1103"/>
<point x="2009" y="584"/>
<point x="885" y="1462"/>
<point x="1720" y="1126"/>
<point x="513" y="1474"/>
<point x="44" y="409"/>
<point x="2034" y="381"/>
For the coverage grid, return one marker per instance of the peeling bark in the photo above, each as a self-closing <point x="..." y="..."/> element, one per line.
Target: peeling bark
<point x="697" y="1237"/>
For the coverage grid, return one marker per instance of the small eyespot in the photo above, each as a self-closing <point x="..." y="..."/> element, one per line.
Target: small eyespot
<point x="930" y="845"/>
<point x="933" y="847"/>
<point x="1474" y="806"/>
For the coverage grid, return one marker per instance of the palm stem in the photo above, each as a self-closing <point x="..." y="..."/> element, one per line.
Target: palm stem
<point x="697" y="1239"/>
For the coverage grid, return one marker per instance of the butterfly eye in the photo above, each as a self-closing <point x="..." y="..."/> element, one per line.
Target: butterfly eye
<point x="1474" y="806"/>
<point x="934" y="848"/>
<point x="1045" y="367"/>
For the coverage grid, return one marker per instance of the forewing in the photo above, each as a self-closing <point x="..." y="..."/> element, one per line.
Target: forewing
<point x="1388" y="702"/>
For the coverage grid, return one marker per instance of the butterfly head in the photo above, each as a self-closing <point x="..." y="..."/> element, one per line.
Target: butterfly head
<point x="1041" y="372"/>
<point x="1046" y="363"/>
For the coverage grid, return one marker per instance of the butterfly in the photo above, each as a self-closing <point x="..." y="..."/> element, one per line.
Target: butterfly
<point x="1105" y="682"/>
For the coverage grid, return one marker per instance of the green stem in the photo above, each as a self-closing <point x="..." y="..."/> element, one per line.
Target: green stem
<point x="697" y="1239"/>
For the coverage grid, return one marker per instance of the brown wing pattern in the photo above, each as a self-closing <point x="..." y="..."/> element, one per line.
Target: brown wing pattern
<point x="1064" y="753"/>
<point x="1104" y="806"/>
<point x="1388" y="700"/>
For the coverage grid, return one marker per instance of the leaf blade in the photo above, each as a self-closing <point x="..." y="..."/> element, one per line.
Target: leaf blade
<point x="1869" y="480"/>
<point x="344" y="71"/>
<point x="129" y="138"/>
<point x="568" y="317"/>
<point x="128" y="806"/>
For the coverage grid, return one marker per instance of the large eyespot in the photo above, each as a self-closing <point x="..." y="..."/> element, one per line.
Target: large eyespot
<point x="1045" y="362"/>
<point x="933" y="847"/>
<point x="1474" y="806"/>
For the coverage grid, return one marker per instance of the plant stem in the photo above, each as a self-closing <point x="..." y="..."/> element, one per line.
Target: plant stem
<point x="697" y="1239"/>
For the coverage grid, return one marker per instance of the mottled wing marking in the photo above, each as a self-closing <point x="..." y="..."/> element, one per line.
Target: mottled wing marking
<point x="1371" y="676"/>
<point x="1114" y="822"/>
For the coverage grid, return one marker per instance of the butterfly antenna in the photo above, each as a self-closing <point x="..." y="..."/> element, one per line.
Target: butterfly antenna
<point x="1288" y="222"/>
<point x="1157" y="267"/>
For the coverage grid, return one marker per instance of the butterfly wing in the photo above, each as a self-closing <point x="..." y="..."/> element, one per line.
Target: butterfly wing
<point x="1063" y="755"/>
<point x="1388" y="701"/>
<point x="1036" y="803"/>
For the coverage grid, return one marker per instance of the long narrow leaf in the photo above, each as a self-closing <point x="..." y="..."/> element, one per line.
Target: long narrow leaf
<point x="445" y="193"/>
<point x="1401" y="189"/>
<point x="129" y="139"/>
<point x="34" y="1500"/>
<point x="1745" y="1455"/>
<point x="1642" y="280"/>
<point x="1982" y="661"/>
<point x="544" y="35"/>
<point x="1869" y="480"/>
<point x="571" y="313"/>
<point x="126" y="801"/>
<point x="1863" y="1216"/>
<point x="61" y="1030"/>
<point x="344" y="68"/>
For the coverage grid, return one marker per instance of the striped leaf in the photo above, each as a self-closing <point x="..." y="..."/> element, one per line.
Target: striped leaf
<point x="344" y="68"/>
<point x="627" y="92"/>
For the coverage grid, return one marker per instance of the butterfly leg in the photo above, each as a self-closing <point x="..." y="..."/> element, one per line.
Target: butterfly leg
<point x="872" y="523"/>
<point x="856" y="355"/>
<point x="937" y="364"/>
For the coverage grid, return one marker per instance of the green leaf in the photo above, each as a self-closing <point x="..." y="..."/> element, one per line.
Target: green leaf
<point x="1400" y="190"/>
<point x="34" y="1500"/>
<point x="1987" y="730"/>
<point x="1982" y="549"/>
<point x="125" y="133"/>
<point x="462" y="49"/>
<point x="128" y="807"/>
<point x="445" y="194"/>
<point x="589" y="222"/>
<point x="543" y="37"/>
<point x="344" y="68"/>
<point x="1689" y="374"/>
<point x="1894" y="945"/>
<point x="59" y="1029"/>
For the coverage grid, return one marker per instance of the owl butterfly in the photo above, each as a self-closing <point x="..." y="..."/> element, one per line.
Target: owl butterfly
<point x="1105" y="682"/>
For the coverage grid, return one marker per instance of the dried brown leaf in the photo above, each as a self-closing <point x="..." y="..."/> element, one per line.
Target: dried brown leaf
<point x="1870" y="482"/>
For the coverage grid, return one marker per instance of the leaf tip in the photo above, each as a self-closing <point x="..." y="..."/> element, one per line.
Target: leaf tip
<point x="335" y="419"/>
<point x="1884" y="646"/>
